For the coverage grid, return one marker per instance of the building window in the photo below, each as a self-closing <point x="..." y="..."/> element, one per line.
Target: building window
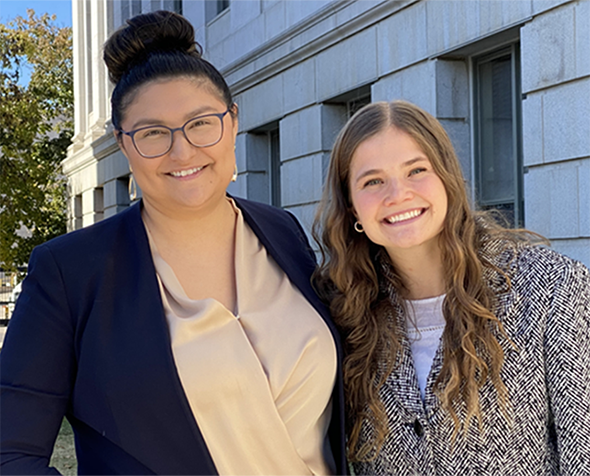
<point x="122" y="191"/>
<point x="498" y="142"/>
<point x="169" y="5"/>
<point x="98" y="201"/>
<point x="353" y="105"/>
<point x="77" y="212"/>
<point x="275" y="167"/>
<point x="222" y="5"/>
<point x="214" y="8"/>
<point x="351" y="101"/>
<point x="342" y="108"/>
<point x="263" y="164"/>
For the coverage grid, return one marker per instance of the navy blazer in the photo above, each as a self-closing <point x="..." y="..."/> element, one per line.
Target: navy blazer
<point x="89" y="339"/>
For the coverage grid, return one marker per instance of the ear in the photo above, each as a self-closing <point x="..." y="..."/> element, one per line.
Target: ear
<point x="350" y="208"/>
<point x="234" y="116"/>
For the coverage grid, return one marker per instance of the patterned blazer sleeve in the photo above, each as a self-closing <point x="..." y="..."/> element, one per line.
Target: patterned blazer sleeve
<point x="567" y="360"/>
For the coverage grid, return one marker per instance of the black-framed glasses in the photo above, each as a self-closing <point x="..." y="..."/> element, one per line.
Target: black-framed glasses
<point x="155" y="141"/>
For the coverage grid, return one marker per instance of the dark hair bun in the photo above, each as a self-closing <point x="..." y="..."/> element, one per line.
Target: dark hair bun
<point x="146" y="34"/>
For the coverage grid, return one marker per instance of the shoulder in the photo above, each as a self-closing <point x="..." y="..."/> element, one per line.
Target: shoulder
<point x="263" y="210"/>
<point x="523" y="260"/>
<point x="280" y="233"/>
<point x="541" y="276"/>
<point x="269" y="220"/>
<point x="554" y="267"/>
<point x="94" y="241"/>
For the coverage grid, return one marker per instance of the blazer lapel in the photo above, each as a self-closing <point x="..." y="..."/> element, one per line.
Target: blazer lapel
<point x="150" y="411"/>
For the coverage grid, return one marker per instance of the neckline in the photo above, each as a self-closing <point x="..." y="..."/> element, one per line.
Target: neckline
<point x="424" y="301"/>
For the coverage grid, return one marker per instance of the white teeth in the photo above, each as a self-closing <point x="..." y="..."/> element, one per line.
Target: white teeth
<point x="404" y="216"/>
<point x="184" y="173"/>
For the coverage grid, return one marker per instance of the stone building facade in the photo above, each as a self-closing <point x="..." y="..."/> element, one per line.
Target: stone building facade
<point x="509" y="80"/>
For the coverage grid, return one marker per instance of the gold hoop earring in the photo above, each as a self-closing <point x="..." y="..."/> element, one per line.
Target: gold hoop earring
<point x="132" y="188"/>
<point x="358" y="227"/>
<point x="234" y="177"/>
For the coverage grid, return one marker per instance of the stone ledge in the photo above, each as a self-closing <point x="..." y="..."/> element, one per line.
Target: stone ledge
<point x="280" y="54"/>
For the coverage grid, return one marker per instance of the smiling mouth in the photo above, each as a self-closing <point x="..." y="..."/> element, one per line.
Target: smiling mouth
<point x="405" y="216"/>
<point x="184" y="173"/>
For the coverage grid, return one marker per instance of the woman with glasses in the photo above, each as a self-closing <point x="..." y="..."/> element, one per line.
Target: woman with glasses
<point x="181" y="336"/>
<point x="467" y="347"/>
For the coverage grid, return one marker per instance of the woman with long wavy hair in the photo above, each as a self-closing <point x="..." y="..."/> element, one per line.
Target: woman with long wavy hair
<point x="467" y="344"/>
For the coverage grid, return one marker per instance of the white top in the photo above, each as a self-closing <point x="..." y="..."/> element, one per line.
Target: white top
<point x="425" y="323"/>
<point x="259" y="383"/>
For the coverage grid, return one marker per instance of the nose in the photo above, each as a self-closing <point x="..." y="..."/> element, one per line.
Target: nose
<point x="396" y="191"/>
<point x="181" y="148"/>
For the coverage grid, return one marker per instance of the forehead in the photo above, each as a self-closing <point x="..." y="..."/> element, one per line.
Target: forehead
<point x="388" y="148"/>
<point x="165" y="97"/>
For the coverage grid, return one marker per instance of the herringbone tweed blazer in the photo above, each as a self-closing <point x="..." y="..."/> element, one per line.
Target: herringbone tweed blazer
<point x="546" y="313"/>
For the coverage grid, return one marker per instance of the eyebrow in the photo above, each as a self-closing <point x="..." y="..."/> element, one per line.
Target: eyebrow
<point x="156" y="122"/>
<point x="408" y="163"/>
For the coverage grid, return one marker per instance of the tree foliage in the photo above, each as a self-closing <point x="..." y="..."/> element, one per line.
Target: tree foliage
<point x="35" y="132"/>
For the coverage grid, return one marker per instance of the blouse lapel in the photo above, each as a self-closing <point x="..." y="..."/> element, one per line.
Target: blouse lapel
<point x="278" y="237"/>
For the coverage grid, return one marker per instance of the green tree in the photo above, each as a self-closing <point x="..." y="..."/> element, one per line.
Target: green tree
<point x="35" y="132"/>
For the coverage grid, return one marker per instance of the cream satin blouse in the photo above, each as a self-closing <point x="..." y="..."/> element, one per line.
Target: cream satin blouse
<point x="259" y="383"/>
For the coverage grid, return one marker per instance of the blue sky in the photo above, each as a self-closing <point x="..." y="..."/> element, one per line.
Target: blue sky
<point x="61" y="8"/>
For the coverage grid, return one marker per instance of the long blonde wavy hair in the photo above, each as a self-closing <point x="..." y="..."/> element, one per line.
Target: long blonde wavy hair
<point x="348" y="278"/>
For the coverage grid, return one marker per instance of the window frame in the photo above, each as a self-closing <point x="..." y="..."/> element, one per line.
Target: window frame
<point x="274" y="166"/>
<point x="222" y="5"/>
<point x="263" y="163"/>
<point x="513" y="50"/>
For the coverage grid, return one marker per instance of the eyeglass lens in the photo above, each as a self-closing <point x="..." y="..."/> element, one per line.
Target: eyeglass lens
<point x="157" y="140"/>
